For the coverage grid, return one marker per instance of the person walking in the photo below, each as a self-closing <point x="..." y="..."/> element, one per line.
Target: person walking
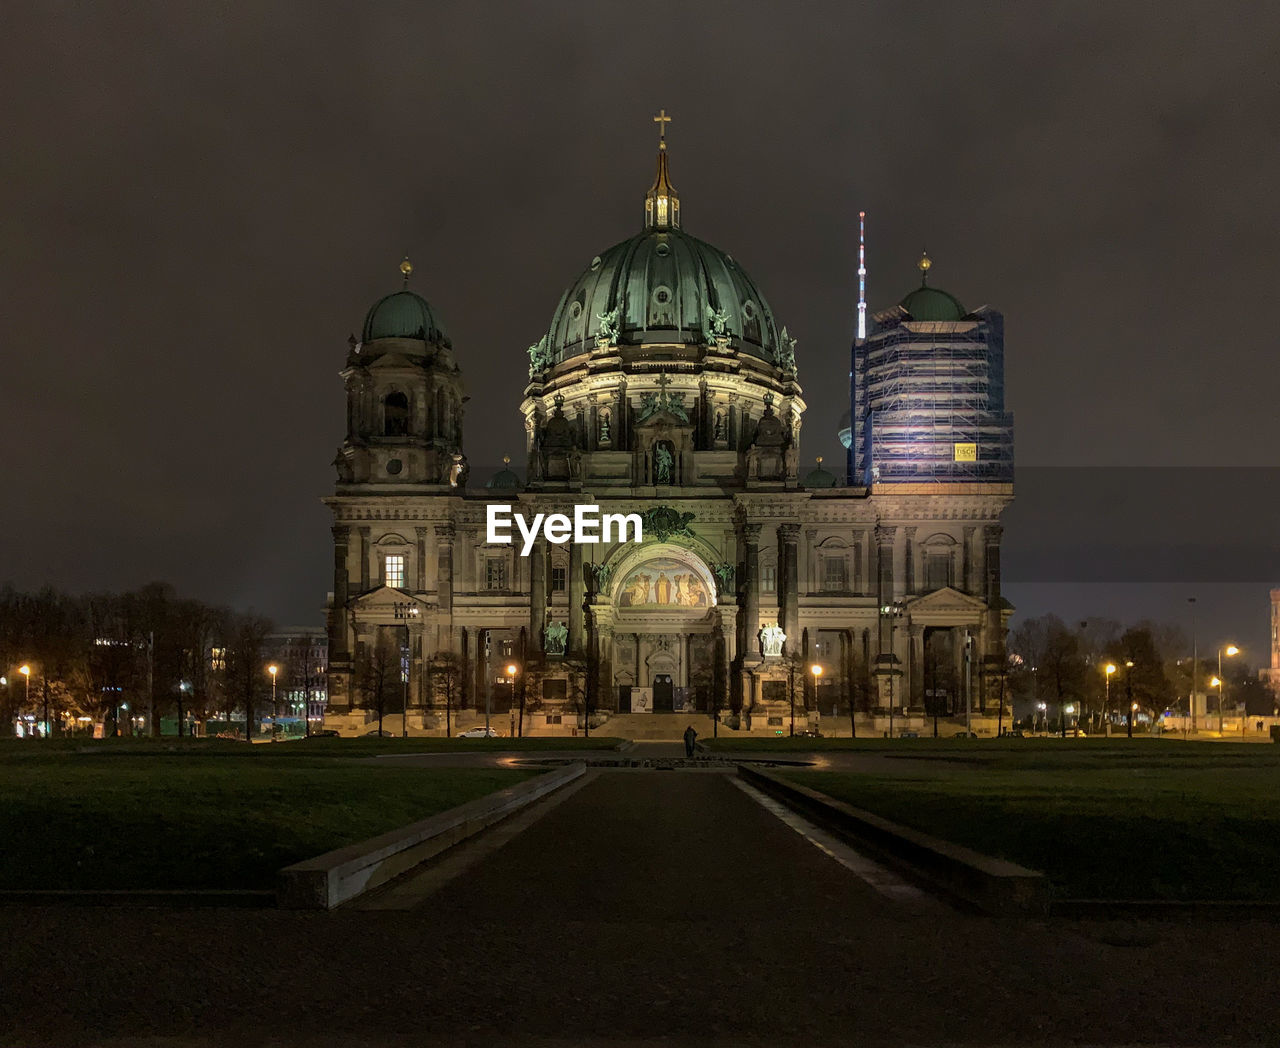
<point x="690" y="736"/>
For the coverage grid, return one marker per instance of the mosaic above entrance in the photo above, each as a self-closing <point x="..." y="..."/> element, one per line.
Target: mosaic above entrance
<point x="664" y="582"/>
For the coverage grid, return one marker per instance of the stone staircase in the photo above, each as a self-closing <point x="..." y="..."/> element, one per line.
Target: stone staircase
<point x="652" y="727"/>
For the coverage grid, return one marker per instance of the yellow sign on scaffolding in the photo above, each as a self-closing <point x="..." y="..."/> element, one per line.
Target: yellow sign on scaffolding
<point x="966" y="452"/>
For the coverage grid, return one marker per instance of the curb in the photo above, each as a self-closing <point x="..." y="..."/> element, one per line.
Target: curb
<point x="328" y="880"/>
<point x="994" y="886"/>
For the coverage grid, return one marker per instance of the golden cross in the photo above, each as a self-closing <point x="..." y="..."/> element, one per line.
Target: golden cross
<point x="662" y="120"/>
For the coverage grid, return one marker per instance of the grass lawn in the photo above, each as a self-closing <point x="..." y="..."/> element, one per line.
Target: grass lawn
<point x="215" y="819"/>
<point x="1112" y="820"/>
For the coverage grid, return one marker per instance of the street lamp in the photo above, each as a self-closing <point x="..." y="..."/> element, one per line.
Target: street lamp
<point x="273" y="669"/>
<point x="1067" y="710"/>
<point x="1228" y="650"/>
<point x="1106" y="713"/>
<point x="25" y="670"/>
<point x="512" y="671"/>
<point x="1044" y="714"/>
<point x="816" y="670"/>
<point x="1128" y="693"/>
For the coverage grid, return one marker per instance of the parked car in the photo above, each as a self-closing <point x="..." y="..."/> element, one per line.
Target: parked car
<point x="480" y="733"/>
<point x="1013" y="733"/>
<point x="324" y="733"/>
<point x="383" y="734"/>
<point x="909" y="734"/>
<point x="809" y="733"/>
<point x="965" y="735"/>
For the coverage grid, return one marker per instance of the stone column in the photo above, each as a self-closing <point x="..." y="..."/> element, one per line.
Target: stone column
<point x="748" y="643"/>
<point x="338" y="647"/>
<point x="537" y="595"/>
<point x="420" y="578"/>
<point x="966" y="560"/>
<point x="444" y="583"/>
<point x="885" y="539"/>
<point x="363" y="532"/>
<point x="789" y="590"/>
<point x="915" y="680"/>
<point x="577" y="594"/>
<point x="993" y="657"/>
<point x="909" y="580"/>
<point x="606" y="695"/>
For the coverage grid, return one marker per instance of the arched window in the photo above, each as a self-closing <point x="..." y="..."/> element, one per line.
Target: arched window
<point x="395" y="415"/>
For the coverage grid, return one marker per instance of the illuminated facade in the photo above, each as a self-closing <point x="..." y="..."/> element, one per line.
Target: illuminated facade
<point x="664" y="386"/>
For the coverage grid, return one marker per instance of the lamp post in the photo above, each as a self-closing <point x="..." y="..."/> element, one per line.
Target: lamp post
<point x="1229" y="650"/>
<point x="1070" y="709"/>
<point x="1128" y="694"/>
<point x="273" y="669"/>
<point x="25" y="670"/>
<point x="1191" y="704"/>
<point x="1110" y="668"/>
<point x="816" y="670"/>
<point x="512" y="670"/>
<point x="1044" y="715"/>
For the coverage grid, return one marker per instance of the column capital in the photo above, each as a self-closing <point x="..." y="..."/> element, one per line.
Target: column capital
<point x="751" y="533"/>
<point x="341" y="532"/>
<point x="885" y="534"/>
<point x="444" y="533"/>
<point x="992" y="533"/>
<point x="789" y="533"/>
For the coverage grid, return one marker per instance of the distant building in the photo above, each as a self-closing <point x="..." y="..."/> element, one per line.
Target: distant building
<point x="1271" y="674"/>
<point x="302" y="655"/>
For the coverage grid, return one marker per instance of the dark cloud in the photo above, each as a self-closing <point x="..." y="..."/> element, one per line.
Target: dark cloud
<point x="202" y="200"/>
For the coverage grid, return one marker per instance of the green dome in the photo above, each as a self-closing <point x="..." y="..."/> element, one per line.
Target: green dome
<point x="504" y="480"/>
<point x="403" y="315"/>
<point x="819" y="478"/>
<point x="665" y="285"/>
<point x="931" y="303"/>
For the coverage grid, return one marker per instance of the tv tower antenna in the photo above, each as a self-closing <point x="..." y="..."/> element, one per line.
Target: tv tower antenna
<point x="862" y="276"/>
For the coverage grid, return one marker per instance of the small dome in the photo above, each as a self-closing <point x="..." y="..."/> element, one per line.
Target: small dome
<point x="504" y="480"/>
<point x="845" y="432"/>
<point x="932" y="303"/>
<point x="819" y="477"/>
<point x="404" y="314"/>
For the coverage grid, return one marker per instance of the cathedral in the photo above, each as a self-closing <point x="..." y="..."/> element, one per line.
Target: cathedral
<point x="763" y="597"/>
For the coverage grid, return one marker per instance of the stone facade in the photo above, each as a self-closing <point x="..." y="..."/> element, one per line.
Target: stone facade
<point x="893" y="590"/>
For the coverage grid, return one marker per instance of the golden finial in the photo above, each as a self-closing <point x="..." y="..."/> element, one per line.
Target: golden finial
<point x="923" y="265"/>
<point x="406" y="267"/>
<point x="662" y="120"/>
<point x="506" y="460"/>
<point x="819" y="460"/>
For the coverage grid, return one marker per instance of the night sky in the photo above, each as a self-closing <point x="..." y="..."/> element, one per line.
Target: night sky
<point x="201" y="201"/>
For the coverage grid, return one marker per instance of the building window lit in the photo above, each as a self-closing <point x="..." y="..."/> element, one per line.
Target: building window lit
<point x="395" y="571"/>
<point x="495" y="573"/>
<point x="768" y="579"/>
<point x="559" y="579"/>
<point x="834" y="576"/>
<point x="217" y="658"/>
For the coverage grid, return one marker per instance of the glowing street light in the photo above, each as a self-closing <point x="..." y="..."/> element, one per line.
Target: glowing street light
<point x="1106" y="714"/>
<point x="1228" y="650"/>
<point x="1044" y="713"/>
<point x="273" y="669"/>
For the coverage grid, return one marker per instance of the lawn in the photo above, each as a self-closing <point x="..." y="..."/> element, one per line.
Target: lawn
<point x="217" y="818"/>
<point x="1113" y="820"/>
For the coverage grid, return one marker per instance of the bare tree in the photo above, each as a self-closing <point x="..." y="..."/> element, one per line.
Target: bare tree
<point x="378" y="675"/>
<point x="446" y="669"/>
<point x="246" y="651"/>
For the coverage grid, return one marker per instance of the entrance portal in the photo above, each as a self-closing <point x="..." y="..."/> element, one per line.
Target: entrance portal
<point x="663" y="693"/>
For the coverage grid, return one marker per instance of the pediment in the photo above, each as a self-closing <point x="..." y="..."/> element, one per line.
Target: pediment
<point x="664" y="420"/>
<point x="389" y="600"/>
<point x="947" y="601"/>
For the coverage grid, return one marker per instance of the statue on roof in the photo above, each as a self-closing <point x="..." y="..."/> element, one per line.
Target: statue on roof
<point x="609" y="327"/>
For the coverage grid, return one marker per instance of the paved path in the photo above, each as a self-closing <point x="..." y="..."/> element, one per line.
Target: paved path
<point x="646" y="905"/>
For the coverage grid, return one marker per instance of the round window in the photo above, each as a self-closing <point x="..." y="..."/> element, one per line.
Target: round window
<point x="575" y="311"/>
<point x="662" y="250"/>
<point x="748" y="310"/>
<point x="662" y="296"/>
<point x="394" y="466"/>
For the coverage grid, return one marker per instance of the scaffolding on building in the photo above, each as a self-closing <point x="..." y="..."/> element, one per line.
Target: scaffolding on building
<point x="928" y="402"/>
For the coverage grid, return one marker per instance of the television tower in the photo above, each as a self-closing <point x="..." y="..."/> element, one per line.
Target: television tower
<point x="862" y="275"/>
